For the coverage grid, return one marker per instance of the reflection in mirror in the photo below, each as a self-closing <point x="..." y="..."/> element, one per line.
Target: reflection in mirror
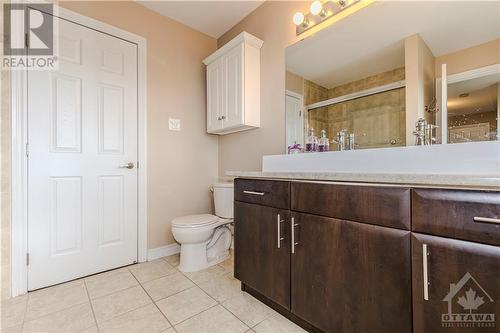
<point x="372" y="117"/>
<point x="473" y="109"/>
<point x="373" y="79"/>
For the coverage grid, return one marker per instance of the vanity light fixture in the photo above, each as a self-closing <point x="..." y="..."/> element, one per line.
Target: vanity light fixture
<point x="317" y="8"/>
<point x="319" y="12"/>
<point x="299" y="20"/>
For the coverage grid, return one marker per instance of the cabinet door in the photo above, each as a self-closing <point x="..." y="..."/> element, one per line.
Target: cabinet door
<point x="456" y="285"/>
<point x="233" y="88"/>
<point x="214" y="96"/>
<point x="262" y="260"/>
<point x="350" y="277"/>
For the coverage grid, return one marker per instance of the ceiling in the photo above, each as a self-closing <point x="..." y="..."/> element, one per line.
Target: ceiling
<point x="482" y="95"/>
<point x="371" y="40"/>
<point x="213" y="18"/>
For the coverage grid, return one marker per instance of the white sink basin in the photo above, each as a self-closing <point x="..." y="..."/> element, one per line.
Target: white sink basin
<point x="474" y="158"/>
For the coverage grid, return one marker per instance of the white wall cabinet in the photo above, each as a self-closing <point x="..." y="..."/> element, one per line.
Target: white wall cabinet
<point x="233" y="86"/>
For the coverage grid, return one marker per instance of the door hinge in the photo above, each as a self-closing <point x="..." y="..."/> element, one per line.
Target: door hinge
<point x="26" y="40"/>
<point x="27" y="259"/>
<point x="137" y="164"/>
<point x="27" y="150"/>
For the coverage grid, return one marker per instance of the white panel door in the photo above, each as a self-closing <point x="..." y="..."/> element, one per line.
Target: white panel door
<point x="294" y="120"/>
<point x="82" y="130"/>
<point x="214" y="96"/>
<point x="233" y="87"/>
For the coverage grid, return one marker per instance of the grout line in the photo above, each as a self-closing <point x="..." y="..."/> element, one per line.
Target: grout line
<point x="155" y="279"/>
<point x="56" y="311"/>
<point x="114" y="292"/>
<point x="218" y="303"/>
<point x="153" y="301"/>
<point x="213" y="306"/>
<point x="91" y="306"/>
<point x="177" y="292"/>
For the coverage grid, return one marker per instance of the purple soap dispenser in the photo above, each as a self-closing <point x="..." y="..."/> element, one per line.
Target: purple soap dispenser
<point x="324" y="143"/>
<point x="311" y="142"/>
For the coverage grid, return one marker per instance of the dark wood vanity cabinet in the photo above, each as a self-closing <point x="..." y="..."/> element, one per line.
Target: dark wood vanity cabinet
<point x="454" y="277"/>
<point x="455" y="260"/>
<point x="262" y="261"/>
<point x="261" y="239"/>
<point x="357" y="258"/>
<point x="349" y="277"/>
<point x="380" y="205"/>
<point x="459" y="214"/>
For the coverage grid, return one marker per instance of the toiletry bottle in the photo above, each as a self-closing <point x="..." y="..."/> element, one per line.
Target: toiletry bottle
<point x="311" y="142"/>
<point x="295" y="148"/>
<point x="323" y="142"/>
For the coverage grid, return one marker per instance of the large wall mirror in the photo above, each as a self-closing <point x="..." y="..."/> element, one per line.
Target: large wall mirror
<point x="368" y="81"/>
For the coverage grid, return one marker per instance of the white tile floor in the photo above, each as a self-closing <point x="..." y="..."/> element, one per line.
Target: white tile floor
<point x="148" y="297"/>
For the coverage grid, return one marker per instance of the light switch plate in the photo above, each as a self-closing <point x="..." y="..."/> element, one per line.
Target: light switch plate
<point x="174" y="124"/>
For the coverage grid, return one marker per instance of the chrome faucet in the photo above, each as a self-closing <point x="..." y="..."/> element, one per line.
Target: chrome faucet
<point x="424" y="133"/>
<point x="351" y="144"/>
<point x="345" y="140"/>
<point x="341" y="140"/>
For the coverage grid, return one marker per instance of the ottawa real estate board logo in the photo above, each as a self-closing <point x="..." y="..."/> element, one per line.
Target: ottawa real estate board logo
<point x="28" y="41"/>
<point x="468" y="305"/>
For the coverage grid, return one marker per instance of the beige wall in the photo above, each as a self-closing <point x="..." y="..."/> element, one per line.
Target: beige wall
<point x="271" y="22"/>
<point x="419" y="76"/>
<point x="473" y="57"/>
<point x="181" y="165"/>
<point x="294" y="83"/>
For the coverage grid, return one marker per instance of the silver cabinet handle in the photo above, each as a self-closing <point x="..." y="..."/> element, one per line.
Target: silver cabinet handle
<point x="253" y="192"/>
<point x="293" y="224"/>
<point x="425" y="254"/>
<point x="279" y="221"/>
<point x="486" y="220"/>
<point x="129" y="165"/>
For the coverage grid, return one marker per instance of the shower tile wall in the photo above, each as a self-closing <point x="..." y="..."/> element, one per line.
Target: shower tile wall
<point x="377" y="120"/>
<point x="377" y="80"/>
<point x="314" y="93"/>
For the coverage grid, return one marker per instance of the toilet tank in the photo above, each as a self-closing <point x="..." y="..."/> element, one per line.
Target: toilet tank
<point x="224" y="200"/>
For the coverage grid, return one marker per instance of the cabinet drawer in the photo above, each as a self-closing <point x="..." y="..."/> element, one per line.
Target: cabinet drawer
<point x="263" y="192"/>
<point x="387" y="206"/>
<point x="468" y="215"/>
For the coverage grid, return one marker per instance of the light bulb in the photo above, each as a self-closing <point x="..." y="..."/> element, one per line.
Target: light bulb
<point x="316" y="7"/>
<point x="298" y="18"/>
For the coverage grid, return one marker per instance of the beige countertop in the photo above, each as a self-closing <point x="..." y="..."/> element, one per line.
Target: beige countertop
<point x="471" y="181"/>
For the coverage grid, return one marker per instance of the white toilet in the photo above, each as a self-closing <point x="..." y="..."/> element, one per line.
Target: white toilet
<point x="205" y="239"/>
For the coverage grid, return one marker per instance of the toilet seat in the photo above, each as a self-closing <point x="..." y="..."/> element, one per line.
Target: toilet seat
<point x="195" y="221"/>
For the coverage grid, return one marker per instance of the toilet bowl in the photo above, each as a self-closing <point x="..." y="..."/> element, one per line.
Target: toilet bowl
<point x="205" y="238"/>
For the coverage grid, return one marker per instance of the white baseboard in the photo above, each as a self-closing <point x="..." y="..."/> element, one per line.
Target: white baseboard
<point x="163" y="251"/>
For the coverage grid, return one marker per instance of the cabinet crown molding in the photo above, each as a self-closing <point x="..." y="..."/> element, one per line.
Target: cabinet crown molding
<point x="243" y="37"/>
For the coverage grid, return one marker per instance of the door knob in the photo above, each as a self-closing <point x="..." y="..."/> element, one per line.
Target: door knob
<point x="129" y="165"/>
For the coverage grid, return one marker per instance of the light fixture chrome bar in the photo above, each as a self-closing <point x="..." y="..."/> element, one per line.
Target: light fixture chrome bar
<point x="359" y="94"/>
<point x="330" y="9"/>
